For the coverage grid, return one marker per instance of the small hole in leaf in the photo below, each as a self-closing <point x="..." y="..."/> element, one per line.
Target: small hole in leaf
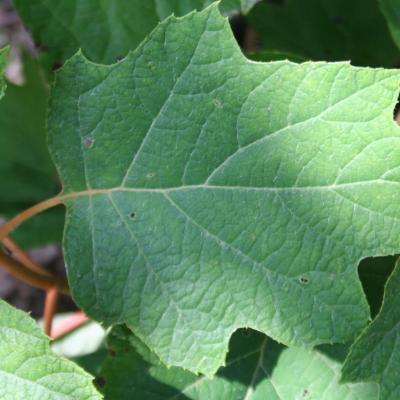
<point x="88" y="142"/>
<point x="132" y="215"/>
<point x="100" y="381"/>
<point x="304" y="280"/>
<point x="396" y="112"/>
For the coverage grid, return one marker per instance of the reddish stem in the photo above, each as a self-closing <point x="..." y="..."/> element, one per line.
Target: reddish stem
<point x="50" y="307"/>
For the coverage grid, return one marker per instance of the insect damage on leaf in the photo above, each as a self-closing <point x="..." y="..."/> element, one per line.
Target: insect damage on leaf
<point x="251" y="211"/>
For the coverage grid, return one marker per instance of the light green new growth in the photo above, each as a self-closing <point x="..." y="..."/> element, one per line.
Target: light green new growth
<point x="206" y="192"/>
<point x="375" y="356"/>
<point x="28" y="368"/>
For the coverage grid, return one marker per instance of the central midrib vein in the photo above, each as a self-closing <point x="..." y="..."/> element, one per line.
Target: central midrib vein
<point x="91" y="192"/>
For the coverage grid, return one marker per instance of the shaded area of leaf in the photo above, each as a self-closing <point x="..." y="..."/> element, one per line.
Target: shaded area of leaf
<point x="105" y="31"/>
<point x="375" y="355"/>
<point x="256" y="368"/>
<point x="327" y="30"/>
<point x="26" y="171"/>
<point x="374" y="272"/>
<point x="390" y="9"/>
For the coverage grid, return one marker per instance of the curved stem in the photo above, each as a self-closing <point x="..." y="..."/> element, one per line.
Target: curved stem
<point x="20" y="271"/>
<point x="24" y="258"/>
<point x="28" y="213"/>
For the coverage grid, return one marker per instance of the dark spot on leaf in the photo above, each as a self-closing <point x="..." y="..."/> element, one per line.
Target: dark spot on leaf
<point x="100" y="381"/>
<point x="218" y="103"/>
<point x="119" y="57"/>
<point x="306" y="393"/>
<point x="304" y="280"/>
<point x="113" y="353"/>
<point x="150" y="175"/>
<point x="88" y="142"/>
<point x="132" y="215"/>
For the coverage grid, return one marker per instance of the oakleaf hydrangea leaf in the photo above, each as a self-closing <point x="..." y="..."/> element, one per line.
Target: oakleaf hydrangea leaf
<point x="105" y="30"/>
<point x="375" y="356"/>
<point x="256" y="368"/>
<point x="28" y="368"/>
<point x="327" y="30"/>
<point x="206" y="192"/>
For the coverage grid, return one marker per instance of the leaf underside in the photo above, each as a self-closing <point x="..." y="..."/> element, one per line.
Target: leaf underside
<point x="206" y="192"/>
<point x="28" y="368"/>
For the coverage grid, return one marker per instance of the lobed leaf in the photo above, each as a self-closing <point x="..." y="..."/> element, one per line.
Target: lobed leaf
<point x="206" y="192"/>
<point x="28" y="368"/>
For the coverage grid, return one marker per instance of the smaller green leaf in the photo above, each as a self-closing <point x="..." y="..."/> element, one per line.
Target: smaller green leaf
<point x="257" y="368"/>
<point x="28" y="368"/>
<point x="27" y="173"/>
<point x="105" y="31"/>
<point x="375" y="356"/>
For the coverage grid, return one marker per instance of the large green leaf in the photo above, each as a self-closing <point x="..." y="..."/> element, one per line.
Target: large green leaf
<point x="257" y="368"/>
<point x="28" y="368"/>
<point x="105" y="30"/>
<point x="327" y="30"/>
<point x="27" y="173"/>
<point x="206" y="192"/>
<point x="375" y="356"/>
